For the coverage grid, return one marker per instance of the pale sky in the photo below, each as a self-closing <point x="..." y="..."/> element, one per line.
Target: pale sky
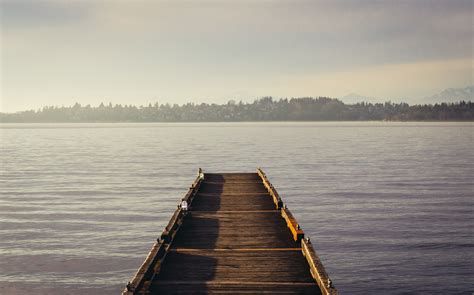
<point x="59" y="52"/>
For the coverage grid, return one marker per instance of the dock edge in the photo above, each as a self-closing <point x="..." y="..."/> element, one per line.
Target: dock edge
<point x="151" y="266"/>
<point x="316" y="267"/>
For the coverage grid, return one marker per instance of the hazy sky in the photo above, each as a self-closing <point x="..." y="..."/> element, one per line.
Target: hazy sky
<point x="134" y="52"/>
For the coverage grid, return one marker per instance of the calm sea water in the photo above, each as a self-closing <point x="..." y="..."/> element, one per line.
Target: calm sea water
<point x="389" y="206"/>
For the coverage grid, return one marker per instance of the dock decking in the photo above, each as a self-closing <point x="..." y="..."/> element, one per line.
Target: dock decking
<point x="236" y="237"/>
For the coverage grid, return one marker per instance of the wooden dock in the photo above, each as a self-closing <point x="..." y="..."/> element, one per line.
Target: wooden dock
<point x="236" y="236"/>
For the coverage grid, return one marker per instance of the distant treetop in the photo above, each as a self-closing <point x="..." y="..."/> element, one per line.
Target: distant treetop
<point x="263" y="109"/>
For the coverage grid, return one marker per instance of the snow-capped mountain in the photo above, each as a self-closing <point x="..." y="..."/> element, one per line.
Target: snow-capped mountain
<point x="451" y="95"/>
<point x="448" y="95"/>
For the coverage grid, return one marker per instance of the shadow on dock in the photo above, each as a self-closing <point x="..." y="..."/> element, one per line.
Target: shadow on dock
<point x="186" y="269"/>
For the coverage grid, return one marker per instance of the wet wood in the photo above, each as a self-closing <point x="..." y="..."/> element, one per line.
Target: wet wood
<point x="237" y="237"/>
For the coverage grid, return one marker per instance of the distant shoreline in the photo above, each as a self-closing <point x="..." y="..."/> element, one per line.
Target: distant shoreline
<point x="266" y="109"/>
<point x="231" y="122"/>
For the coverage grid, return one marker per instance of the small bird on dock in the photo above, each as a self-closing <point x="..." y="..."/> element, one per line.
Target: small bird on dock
<point x="184" y="205"/>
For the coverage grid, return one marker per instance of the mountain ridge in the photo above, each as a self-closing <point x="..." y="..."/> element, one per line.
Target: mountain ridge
<point x="448" y="95"/>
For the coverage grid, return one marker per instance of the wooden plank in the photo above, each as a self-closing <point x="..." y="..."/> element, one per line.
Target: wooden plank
<point x="283" y="266"/>
<point x="234" y="195"/>
<point x="256" y="230"/>
<point x="234" y="182"/>
<point x="230" y="249"/>
<point x="197" y="213"/>
<point x="226" y="188"/>
<point x="233" y="203"/>
<point x="234" y="282"/>
<point x="232" y="287"/>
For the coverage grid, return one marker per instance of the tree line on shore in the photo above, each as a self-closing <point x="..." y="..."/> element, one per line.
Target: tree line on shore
<point x="263" y="109"/>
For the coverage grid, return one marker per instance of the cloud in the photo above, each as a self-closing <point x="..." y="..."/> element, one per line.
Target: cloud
<point x="57" y="49"/>
<point x="346" y="32"/>
<point x="350" y="32"/>
<point x="33" y="14"/>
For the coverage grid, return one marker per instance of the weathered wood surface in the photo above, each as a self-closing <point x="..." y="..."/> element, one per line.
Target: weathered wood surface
<point x="237" y="237"/>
